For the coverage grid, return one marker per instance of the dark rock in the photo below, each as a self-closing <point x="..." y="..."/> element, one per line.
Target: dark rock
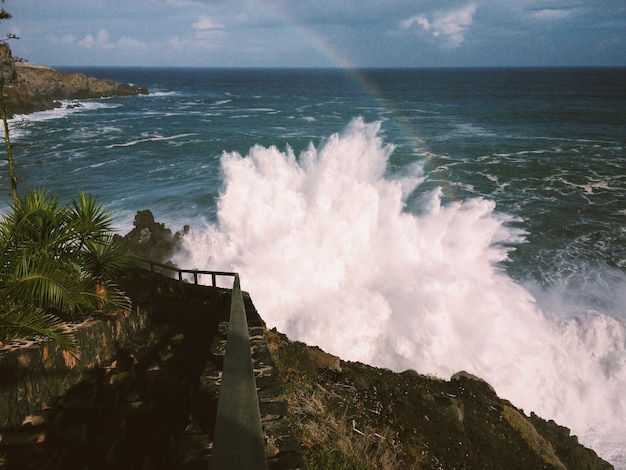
<point x="152" y="240"/>
<point x="74" y="104"/>
<point x="567" y="447"/>
<point x="29" y="88"/>
<point x="129" y="90"/>
<point x="463" y="376"/>
<point x="415" y="421"/>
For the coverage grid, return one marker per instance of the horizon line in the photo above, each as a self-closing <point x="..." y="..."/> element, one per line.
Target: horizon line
<point x="295" y="67"/>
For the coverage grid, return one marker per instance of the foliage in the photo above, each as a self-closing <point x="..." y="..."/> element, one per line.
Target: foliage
<point x="6" y="75"/>
<point x="4" y="15"/>
<point x="58" y="262"/>
<point x="336" y="460"/>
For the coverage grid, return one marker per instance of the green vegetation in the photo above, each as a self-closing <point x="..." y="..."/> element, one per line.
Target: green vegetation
<point x="58" y="263"/>
<point x="7" y="70"/>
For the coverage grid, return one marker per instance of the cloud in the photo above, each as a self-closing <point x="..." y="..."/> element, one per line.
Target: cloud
<point x="100" y="40"/>
<point x="130" y="43"/>
<point x="450" y="25"/>
<point x="551" y="14"/>
<point x="205" y="23"/>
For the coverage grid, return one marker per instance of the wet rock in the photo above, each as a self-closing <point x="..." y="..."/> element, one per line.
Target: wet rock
<point x="152" y="240"/>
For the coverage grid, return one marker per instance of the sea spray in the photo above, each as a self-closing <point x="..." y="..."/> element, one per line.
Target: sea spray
<point x="331" y="256"/>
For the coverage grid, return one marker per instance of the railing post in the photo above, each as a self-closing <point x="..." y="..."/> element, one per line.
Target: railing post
<point x="238" y="441"/>
<point x="161" y="268"/>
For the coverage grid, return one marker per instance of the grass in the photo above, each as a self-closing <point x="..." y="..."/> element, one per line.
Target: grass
<point x="329" y="437"/>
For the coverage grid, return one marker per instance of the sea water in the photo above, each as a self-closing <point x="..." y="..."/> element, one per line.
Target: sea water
<point x="435" y="220"/>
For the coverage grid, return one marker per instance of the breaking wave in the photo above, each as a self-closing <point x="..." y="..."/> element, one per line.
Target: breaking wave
<point x="331" y="256"/>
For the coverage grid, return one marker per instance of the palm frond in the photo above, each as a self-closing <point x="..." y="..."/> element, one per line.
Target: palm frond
<point x="23" y="322"/>
<point x="106" y="260"/>
<point x="37" y="280"/>
<point x="89" y="218"/>
<point x="39" y="219"/>
<point x="109" y="298"/>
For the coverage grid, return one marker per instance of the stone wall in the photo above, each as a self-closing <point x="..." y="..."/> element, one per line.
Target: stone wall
<point x="35" y="372"/>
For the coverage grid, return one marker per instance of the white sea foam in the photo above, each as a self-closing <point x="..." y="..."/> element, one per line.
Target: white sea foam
<point x="161" y="93"/>
<point x="94" y="165"/>
<point x="155" y="138"/>
<point x="330" y="257"/>
<point x="62" y="111"/>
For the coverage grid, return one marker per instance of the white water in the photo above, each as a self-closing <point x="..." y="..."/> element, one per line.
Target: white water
<point x="330" y="258"/>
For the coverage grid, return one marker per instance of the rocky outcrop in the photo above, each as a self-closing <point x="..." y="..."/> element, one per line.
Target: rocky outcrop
<point x="152" y="240"/>
<point x="360" y="416"/>
<point x="29" y="88"/>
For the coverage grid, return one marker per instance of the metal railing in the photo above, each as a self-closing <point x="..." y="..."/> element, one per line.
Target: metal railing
<point x="238" y="439"/>
<point x="195" y="272"/>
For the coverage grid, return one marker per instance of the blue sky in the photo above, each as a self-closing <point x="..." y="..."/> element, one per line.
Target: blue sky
<point x="319" y="33"/>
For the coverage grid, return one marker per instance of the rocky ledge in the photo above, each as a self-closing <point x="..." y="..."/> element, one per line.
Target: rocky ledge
<point x="29" y="88"/>
<point x="351" y="415"/>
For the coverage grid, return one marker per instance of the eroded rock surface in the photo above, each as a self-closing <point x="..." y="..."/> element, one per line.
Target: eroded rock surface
<point x="29" y="88"/>
<point x="360" y="416"/>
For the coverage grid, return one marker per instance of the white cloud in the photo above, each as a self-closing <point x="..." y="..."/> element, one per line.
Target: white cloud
<point x="175" y="42"/>
<point x="202" y="40"/>
<point x="449" y="25"/>
<point x="182" y="3"/>
<point x="551" y="14"/>
<point x="130" y="43"/>
<point x="418" y="19"/>
<point x="205" y="22"/>
<point x="100" y="40"/>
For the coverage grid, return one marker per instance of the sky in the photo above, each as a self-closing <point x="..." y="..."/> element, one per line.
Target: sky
<point x="318" y="33"/>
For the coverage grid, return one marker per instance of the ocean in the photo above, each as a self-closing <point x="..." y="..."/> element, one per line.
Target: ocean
<point x="429" y="219"/>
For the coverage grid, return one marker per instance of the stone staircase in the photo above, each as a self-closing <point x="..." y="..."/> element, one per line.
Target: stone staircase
<point x="153" y="405"/>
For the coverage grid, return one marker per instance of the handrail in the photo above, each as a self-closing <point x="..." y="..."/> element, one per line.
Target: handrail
<point x="180" y="272"/>
<point x="238" y="441"/>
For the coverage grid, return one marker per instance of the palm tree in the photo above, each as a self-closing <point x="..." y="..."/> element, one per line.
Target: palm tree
<point x="17" y="321"/>
<point x="58" y="262"/>
<point x="100" y="254"/>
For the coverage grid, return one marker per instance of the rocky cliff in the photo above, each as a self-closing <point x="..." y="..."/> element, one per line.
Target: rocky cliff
<point x="351" y="415"/>
<point x="29" y="88"/>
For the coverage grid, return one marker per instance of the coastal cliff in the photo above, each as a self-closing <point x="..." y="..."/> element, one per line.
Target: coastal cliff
<point x="29" y="88"/>
<point x="351" y="415"/>
<point x="151" y="381"/>
<point x="347" y="414"/>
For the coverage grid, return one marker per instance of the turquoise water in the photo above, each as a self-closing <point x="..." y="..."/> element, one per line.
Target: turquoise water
<point x="466" y="218"/>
